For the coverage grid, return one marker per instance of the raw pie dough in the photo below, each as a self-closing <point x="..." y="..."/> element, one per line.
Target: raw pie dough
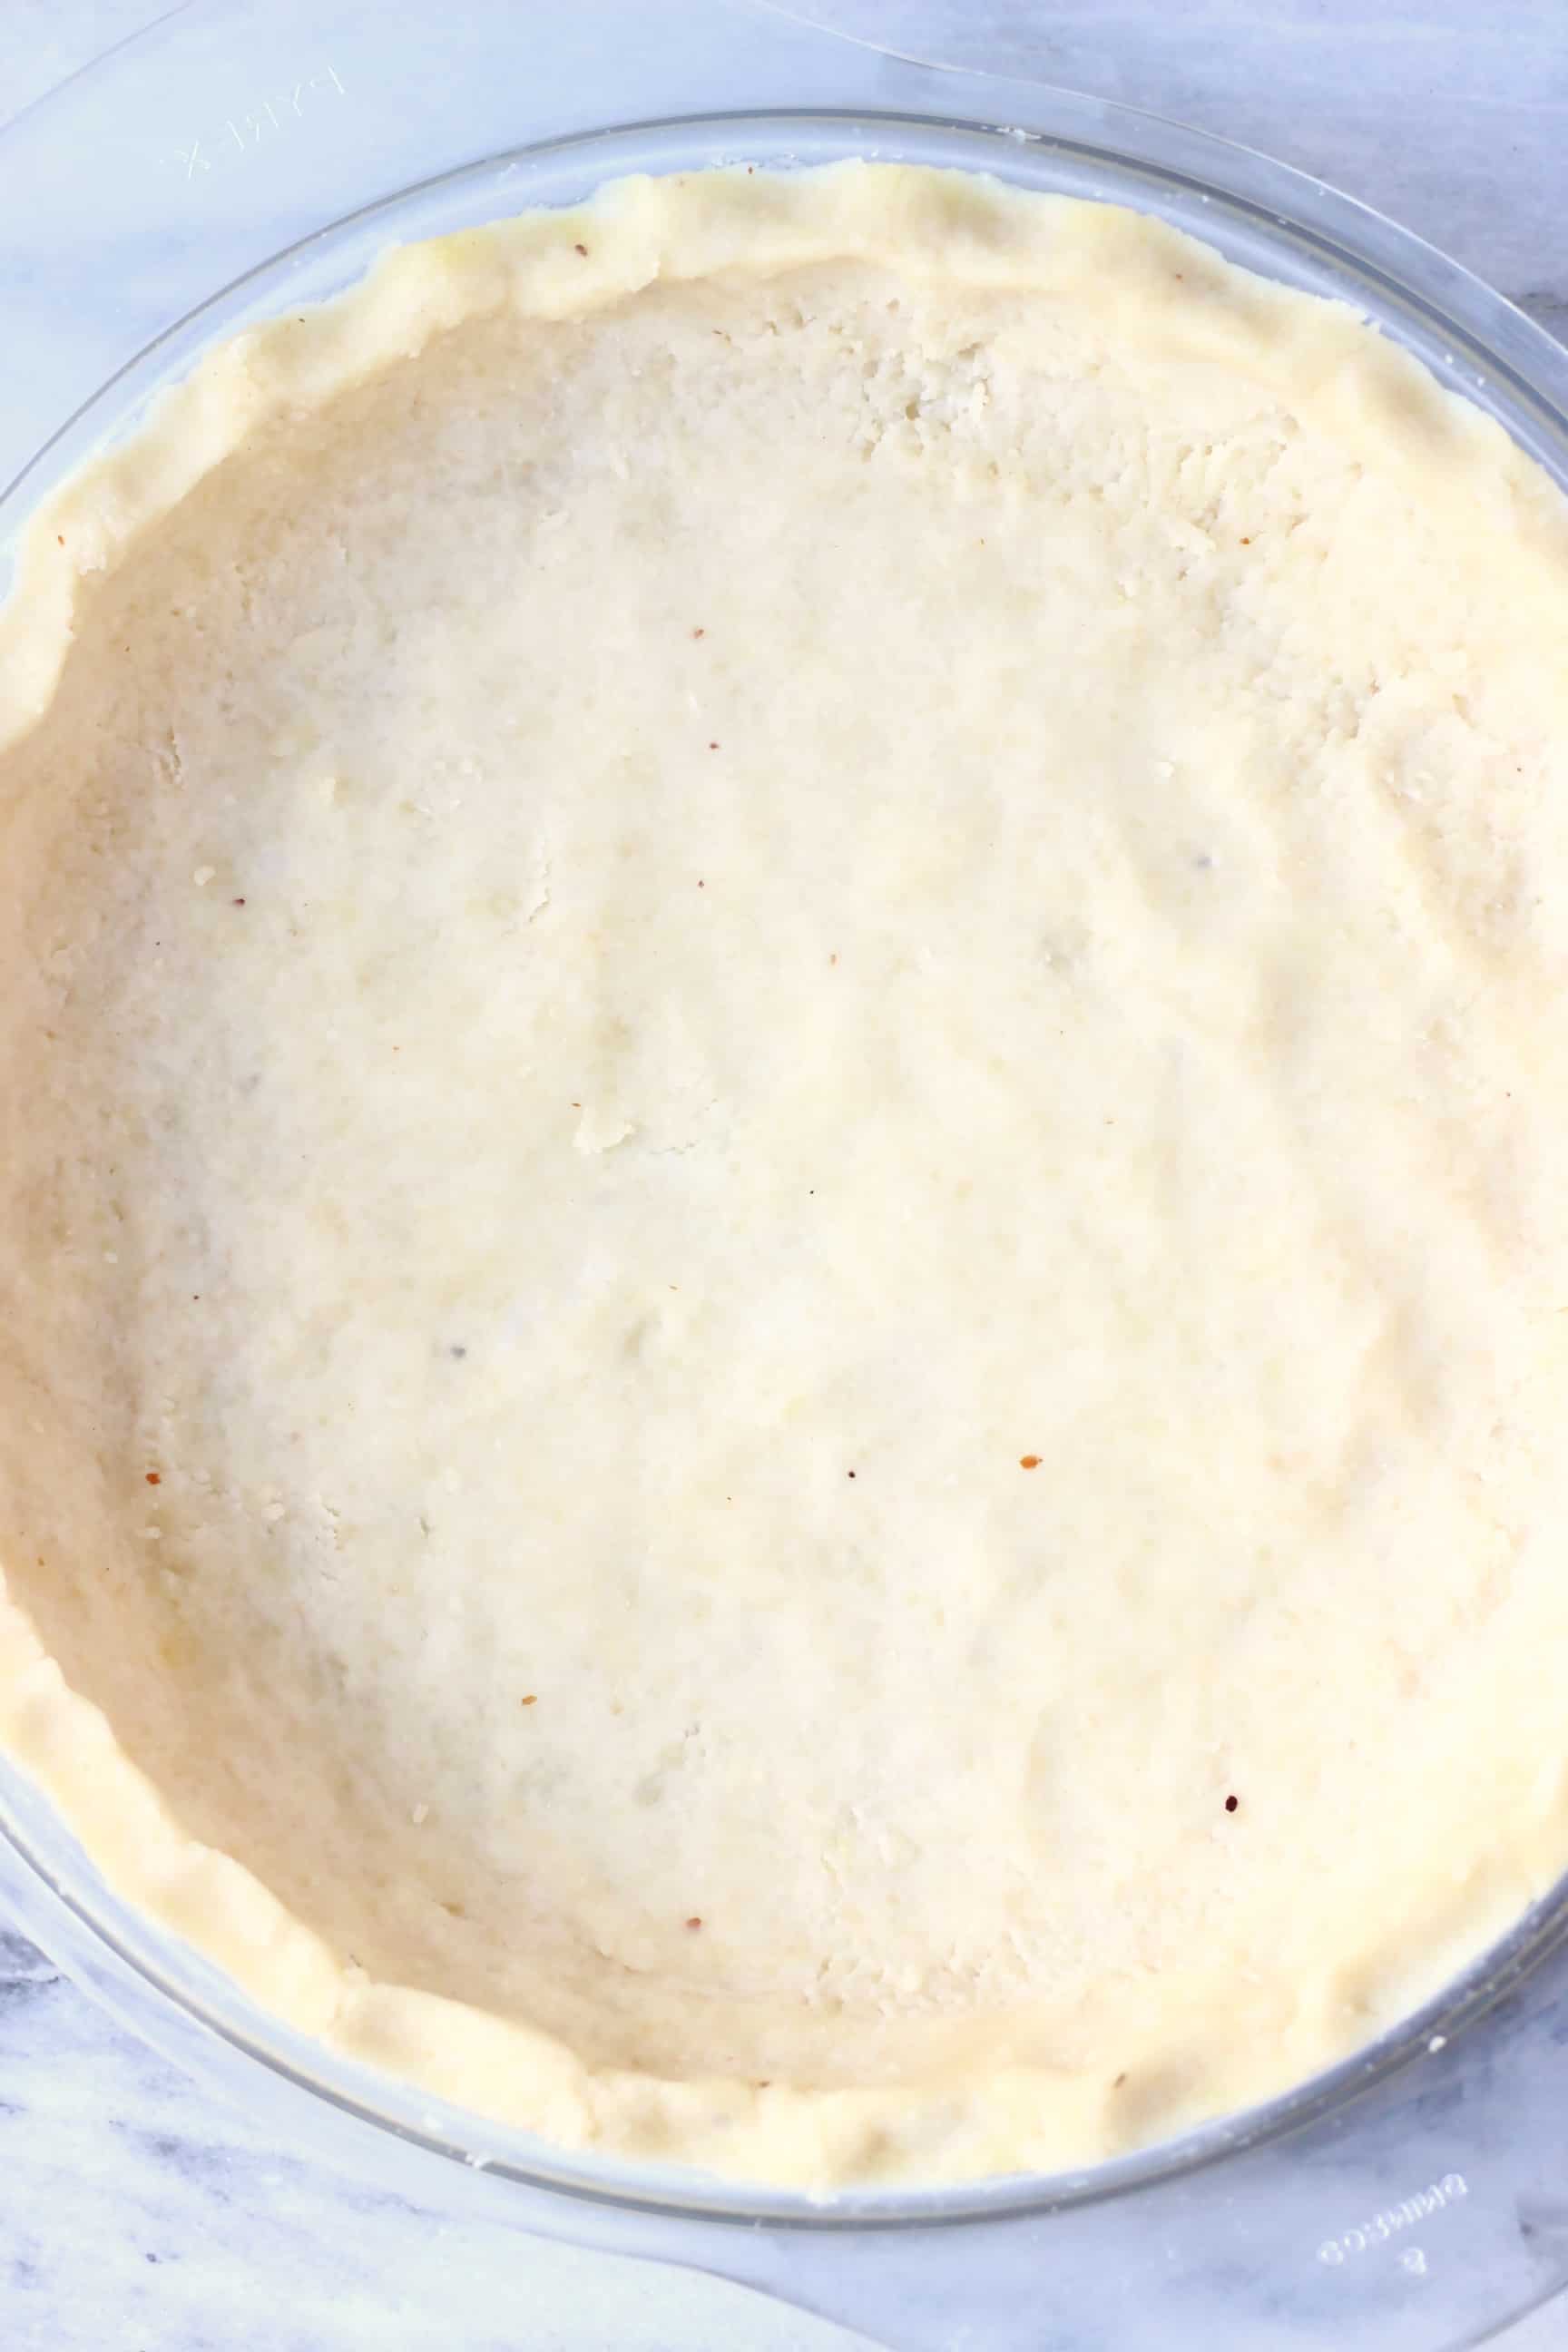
<point x="785" y="1086"/>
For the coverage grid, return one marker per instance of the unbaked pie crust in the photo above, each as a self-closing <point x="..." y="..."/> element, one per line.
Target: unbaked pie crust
<point x="785" y="1274"/>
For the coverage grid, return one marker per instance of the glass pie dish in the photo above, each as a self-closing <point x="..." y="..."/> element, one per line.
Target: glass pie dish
<point x="227" y="165"/>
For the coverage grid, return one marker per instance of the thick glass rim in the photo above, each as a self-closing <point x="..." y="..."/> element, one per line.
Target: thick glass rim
<point x="1488" y="347"/>
<point x="144" y="1959"/>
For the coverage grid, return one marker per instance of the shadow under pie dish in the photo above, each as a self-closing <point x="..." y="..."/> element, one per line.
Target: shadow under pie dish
<point x="781" y="1050"/>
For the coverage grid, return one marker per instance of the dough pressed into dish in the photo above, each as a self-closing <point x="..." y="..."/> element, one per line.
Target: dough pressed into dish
<point x="783" y="1284"/>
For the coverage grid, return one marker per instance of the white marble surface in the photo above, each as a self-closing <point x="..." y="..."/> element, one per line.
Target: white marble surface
<point x="136" y="2214"/>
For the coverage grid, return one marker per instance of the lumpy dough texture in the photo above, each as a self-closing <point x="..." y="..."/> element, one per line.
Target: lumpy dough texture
<point x="784" y="1064"/>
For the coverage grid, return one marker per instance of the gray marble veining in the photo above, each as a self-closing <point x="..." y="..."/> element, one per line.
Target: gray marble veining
<point x="136" y="2213"/>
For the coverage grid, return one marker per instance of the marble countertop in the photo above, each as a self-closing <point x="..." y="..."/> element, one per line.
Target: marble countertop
<point x="136" y="2213"/>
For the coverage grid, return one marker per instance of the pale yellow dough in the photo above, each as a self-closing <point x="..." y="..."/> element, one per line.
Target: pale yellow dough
<point x="674" y="886"/>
